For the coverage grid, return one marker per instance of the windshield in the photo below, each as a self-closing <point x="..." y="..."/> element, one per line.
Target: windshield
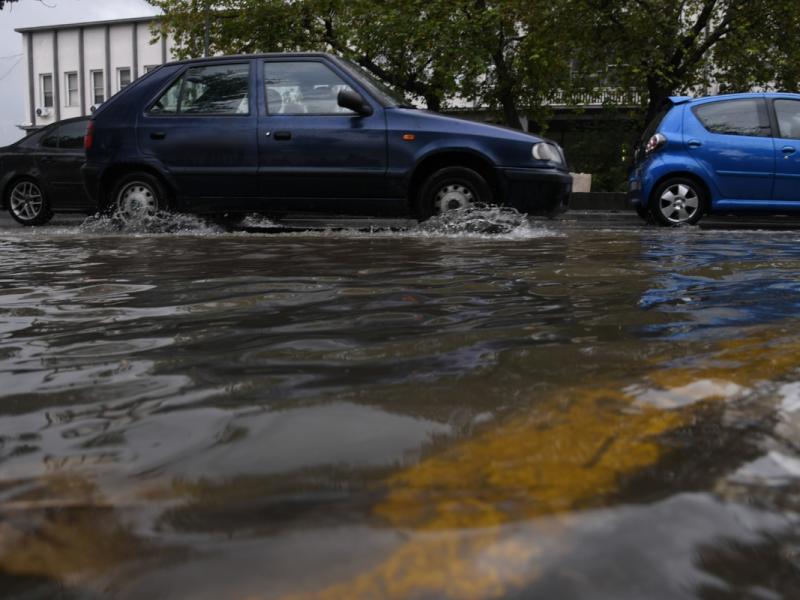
<point x="384" y="93"/>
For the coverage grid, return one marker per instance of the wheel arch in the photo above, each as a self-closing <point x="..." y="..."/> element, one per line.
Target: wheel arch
<point x="451" y="158"/>
<point x="704" y="187"/>
<point x="115" y="172"/>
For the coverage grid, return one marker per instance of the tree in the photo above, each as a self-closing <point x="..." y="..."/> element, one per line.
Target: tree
<point x="499" y="53"/>
<point x="670" y="46"/>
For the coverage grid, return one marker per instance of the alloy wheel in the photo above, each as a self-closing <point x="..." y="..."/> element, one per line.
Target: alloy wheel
<point x="679" y="203"/>
<point x="26" y="201"/>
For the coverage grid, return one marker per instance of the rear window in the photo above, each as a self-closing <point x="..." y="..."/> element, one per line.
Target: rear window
<point x="735" y="117"/>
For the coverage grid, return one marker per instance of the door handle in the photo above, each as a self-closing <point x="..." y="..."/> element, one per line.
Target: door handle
<point x="695" y="143"/>
<point x="282" y="136"/>
<point x="158" y="135"/>
<point x="788" y="151"/>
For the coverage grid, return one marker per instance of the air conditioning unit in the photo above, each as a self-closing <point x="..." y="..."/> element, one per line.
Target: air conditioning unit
<point x="43" y="112"/>
<point x="94" y="107"/>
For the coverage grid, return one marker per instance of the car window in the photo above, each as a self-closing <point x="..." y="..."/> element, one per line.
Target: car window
<point x="788" y="113"/>
<point x="209" y="90"/>
<point x="50" y="139"/>
<point x="303" y="88"/>
<point x="33" y="140"/>
<point x="735" y="117"/>
<point x="70" y="135"/>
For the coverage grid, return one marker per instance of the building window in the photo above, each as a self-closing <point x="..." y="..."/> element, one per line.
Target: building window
<point x="148" y="68"/>
<point x="47" y="91"/>
<point x="98" y="88"/>
<point x="123" y="78"/>
<point x="71" y="85"/>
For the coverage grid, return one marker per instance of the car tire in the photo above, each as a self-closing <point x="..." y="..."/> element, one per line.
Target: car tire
<point x="27" y="203"/>
<point x="678" y="201"/>
<point x="136" y="196"/>
<point x="452" y="188"/>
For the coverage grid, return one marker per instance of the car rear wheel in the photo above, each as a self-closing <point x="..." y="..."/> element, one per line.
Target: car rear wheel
<point x="137" y="196"/>
<point x="678" y="201"/>
<point x="27" y="203"/>
<point x="452" y="188"/>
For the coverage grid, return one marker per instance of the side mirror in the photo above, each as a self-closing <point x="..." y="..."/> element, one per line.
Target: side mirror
<point x="354" y="101"/>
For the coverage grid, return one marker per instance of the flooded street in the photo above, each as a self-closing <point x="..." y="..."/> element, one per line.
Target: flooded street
<point x="554" y="410"/>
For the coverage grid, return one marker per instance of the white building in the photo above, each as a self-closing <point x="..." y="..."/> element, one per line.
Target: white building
<point x="74" y="68"/>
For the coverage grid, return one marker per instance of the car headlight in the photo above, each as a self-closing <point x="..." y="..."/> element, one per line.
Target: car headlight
<point x="548" y="152"/>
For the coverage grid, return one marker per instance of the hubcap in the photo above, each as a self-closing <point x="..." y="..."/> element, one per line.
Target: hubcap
<point x="679" y="203"/>
<point x="454" y="197"/>
<point x="136" y="201"/>
<point x="26" y="200"/>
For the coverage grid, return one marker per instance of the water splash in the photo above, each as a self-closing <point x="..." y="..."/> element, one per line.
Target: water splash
<point x="162" y="222"/>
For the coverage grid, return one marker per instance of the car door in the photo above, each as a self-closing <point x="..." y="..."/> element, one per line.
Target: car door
<point x="202" y="128"/>
<point x="314" y="154"/>
<point x="731" y="139"/>
<point x="787" y="150"/>
<point x="60" y="158"/>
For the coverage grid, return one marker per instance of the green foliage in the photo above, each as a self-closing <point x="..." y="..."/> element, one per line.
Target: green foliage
<point x="500" y="53"/>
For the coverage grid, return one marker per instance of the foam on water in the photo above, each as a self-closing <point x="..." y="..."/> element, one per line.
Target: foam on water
<point x="162" y="222"/>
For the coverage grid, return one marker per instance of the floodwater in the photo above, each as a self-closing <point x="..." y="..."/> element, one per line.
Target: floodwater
<point x="548" y="410"/>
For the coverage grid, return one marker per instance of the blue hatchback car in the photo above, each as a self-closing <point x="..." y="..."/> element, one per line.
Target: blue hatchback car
<point x="278" y="133"/>
<point x="737" y="153"/>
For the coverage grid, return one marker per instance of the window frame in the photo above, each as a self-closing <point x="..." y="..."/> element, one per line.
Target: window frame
<point x="43" y="92"/>
<point x="777" y="124"/>
<point x="758" y="101"/>
<point x="92" y="75"/>
<point x="120" y="70"/>
<point x="180" y="76"/>
<point x="325" y="64"/>
<point x="69" y="90"/>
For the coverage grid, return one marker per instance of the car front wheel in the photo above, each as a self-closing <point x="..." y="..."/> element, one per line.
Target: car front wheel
<point x="678" y="201"/>
<point x="137" y="196"/>
<point x="452" y="188"/>
<point x="27" y="203"/>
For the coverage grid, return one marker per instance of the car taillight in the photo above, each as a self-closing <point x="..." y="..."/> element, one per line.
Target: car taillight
<point x="88" y="139"/>
<point x="655" y="143"/>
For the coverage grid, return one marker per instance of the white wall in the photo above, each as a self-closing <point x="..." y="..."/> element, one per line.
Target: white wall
<point x="94" y="57"/>
<point x="121" y="56"/>
<point x="68" y="61"/>
<point x="42" y="63"/>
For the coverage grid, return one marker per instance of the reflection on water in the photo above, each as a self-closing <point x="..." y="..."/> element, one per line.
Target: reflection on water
<point x="456" y="411"/>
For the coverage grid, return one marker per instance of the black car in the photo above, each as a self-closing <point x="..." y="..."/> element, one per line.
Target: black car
<point x="41" y="174"/>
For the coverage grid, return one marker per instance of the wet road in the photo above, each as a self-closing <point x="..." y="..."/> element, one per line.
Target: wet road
<point x="558" y="410"/>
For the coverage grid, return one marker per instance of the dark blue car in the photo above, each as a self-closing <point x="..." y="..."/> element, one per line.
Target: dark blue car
<point x="279" y="133"/>
<point x="737" y="153"/>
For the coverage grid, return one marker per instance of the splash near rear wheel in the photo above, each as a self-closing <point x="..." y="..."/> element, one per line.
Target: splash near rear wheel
<point x="137" y="196"/>
<point x="678" y="201"/>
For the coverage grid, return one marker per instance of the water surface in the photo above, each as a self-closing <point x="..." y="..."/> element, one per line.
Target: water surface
<point x="545" y="410"/>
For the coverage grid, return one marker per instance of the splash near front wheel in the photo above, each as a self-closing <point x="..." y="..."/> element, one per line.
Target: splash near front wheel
<point x="452" y="188"/>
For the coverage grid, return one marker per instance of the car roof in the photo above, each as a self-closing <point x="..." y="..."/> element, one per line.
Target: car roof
<point x="738" y="96"/>
<point x="227" y="57"/>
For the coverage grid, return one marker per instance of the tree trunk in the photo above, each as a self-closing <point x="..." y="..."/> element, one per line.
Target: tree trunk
<point x="505" y="92"/>
<point x="433" y="102"/>
<point x="658" y="93"/>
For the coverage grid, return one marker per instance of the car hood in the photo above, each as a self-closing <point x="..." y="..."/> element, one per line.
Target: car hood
<point x="432" y="120"/>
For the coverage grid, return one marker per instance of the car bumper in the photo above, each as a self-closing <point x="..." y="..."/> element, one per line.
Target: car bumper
<point x="536" y="191"/>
